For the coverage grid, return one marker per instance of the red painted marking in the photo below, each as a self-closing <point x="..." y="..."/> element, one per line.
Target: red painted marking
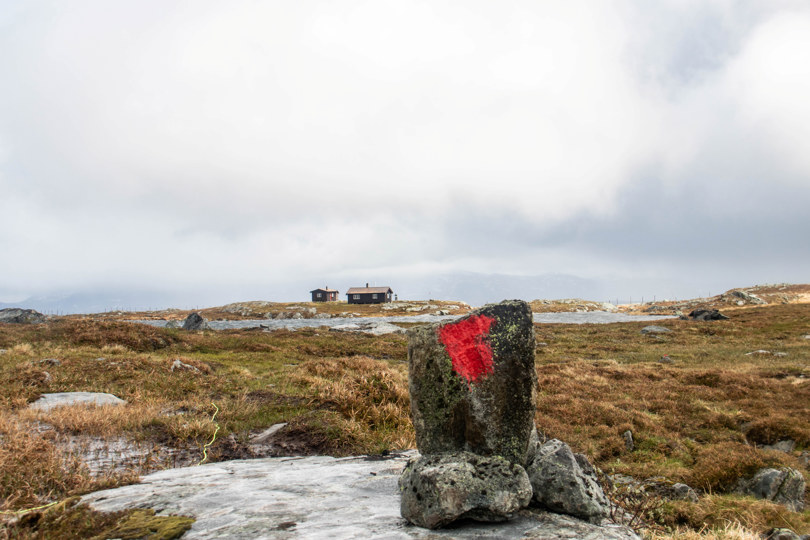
<point x="469" y="350"/>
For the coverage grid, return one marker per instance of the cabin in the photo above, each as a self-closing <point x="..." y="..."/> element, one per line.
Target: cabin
<point x="369" y="295"/>
<point x="325" y="295"/>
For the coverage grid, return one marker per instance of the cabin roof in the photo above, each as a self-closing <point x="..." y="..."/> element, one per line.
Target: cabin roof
<point x="367" y="290"/>
<point x="327" y="289"/>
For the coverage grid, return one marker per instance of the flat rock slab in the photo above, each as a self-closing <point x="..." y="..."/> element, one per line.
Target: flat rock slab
<point x="316" y="497"/>
<point x="62" y="399"/>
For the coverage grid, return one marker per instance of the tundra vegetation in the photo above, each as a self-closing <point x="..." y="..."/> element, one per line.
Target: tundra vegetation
<point x="702" y="417"/>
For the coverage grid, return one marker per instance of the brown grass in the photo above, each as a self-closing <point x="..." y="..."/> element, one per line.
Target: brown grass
<point x="700" y="420"/>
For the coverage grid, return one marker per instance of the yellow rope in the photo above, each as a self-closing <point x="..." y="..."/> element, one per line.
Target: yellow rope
<point x="205" y="448"/>
<point x="27" y="510"/>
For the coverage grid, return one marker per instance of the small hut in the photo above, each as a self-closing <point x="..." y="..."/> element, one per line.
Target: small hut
<point x="325" y="295"/>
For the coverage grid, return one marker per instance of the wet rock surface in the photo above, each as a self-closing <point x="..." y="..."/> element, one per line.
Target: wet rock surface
<point x="317" y="497"/>
<point x="440" y="489"/>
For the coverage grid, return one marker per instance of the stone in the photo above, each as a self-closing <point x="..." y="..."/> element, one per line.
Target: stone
<point x="786" y="445"/>
<point x="21" y="316"/>
<point x="780" y="533"/>
<point x="628" y="440"/>
<point x="317" y="497"/>
<point x="173" y="324"/>
<point x="472" y="382"/>
<point x="61" y="399"/>
<point x="179" y="365"/>
<point x="373" y="328"/>
<point x="707" y="315"/>
<point x="804" y="459"/>
<point x="746" y="297"/>
<point x="655" y="330"/>
<point x="440" y="489"/>
<point x="267" y="434"/>
<point x="195" y="321"/>
<point x="783" y="486"/>
<point x="565" y="482"/>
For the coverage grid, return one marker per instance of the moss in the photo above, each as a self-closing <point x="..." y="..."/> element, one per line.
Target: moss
<point x="145" y="524"/>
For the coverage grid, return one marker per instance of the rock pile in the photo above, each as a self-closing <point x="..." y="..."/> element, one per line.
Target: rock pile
<point x="21" y="316"/>
<point x="472" y="384"/>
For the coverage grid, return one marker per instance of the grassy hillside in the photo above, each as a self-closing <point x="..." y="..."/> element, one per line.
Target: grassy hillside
<point x="701" y="417"/>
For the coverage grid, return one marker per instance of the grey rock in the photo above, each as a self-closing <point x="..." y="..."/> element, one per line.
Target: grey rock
<point x="47" y="378"/>
<point x="747" y="297"/>
<point x="317" y="497"/>
<point x="61" y="399"/>
<point x="655" y="330"/>
<point x="781" y="534"/>
<point x="786" y="445"/>
<point x="628" y="441"/>
<point x="804" y="459"/>
<point x="783" y="486"/>
<point x="21" y="316"/>
<point x="440" y="489"/>
<point x="562" y="484"/>
<point x="173" y="324"/>
<point x="472" y="382"/>
<point x="707" y="315"/>
<point x="195" y="321"/>
<point x="3" y="351"/>
<point x="179" y="365"/>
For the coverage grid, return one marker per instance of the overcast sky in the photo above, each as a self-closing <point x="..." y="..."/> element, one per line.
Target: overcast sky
<point x="235" y="147"/>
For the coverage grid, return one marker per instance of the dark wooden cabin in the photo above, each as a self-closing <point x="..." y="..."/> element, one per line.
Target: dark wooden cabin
<point x="369" y="295"/>
<point x="325" y="295"/>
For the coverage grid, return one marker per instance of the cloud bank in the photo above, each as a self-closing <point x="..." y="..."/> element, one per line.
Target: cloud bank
<point x="240" y="146"/>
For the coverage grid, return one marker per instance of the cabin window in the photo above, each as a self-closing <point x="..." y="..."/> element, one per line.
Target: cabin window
<point x="319" y="295"/>
<point x="356" y="296"/>
<point x="373" y="296"/>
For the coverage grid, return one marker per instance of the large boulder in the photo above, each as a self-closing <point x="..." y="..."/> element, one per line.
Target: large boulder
<point x="472" y="383"/>
<point x="566" y="482"/>
<point x="437" y="490"/>
<point x="783" y="486"/>
<point x="195" y="321"/>
<point x="21" y="316"/>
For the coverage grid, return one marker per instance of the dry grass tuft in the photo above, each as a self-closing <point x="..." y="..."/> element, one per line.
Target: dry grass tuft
<point x="718" y="512"/>
<point x="369" y="394"/>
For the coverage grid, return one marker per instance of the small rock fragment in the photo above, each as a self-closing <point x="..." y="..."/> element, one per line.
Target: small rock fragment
<point x="628" y="440"/>
<point x="655" y="330"/>
<point x="180" y="365"/>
